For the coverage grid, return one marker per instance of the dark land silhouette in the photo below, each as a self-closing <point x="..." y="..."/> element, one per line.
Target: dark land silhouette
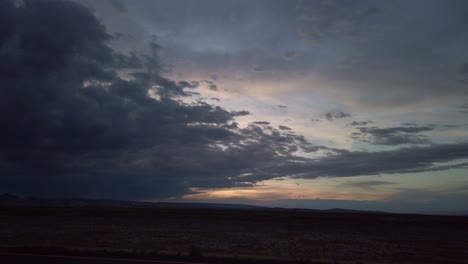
<point x="334" y="236"/>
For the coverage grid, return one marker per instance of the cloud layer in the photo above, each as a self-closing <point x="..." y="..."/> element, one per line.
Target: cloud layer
<point x="80" y="117"/>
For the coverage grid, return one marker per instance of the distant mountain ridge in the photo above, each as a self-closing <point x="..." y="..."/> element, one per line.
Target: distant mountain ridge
<point x="13" y="200"/>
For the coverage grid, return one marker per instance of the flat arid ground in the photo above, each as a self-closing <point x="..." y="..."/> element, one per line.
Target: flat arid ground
<point x="318" y="237"/>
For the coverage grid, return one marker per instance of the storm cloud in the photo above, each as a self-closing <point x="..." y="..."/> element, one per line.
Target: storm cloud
<point x="72" y="124"/>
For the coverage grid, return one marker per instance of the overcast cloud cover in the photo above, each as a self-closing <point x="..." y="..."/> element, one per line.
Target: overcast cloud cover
<point x="155" y="100"/>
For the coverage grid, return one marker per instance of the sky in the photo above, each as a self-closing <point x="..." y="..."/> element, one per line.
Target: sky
<point x="311" y="104"/>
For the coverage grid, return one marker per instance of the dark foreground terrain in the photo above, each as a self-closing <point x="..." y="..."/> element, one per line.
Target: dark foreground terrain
<point x="318" y="237"/>
<point x="53" y="259"/>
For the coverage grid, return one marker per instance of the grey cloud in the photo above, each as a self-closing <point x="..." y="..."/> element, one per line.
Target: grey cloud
<point x="216" y="99"/>
<point x="288" y="54"/>
<point x="119" y="6"/>
<point x="455" y="126"/>
<point x="358" y="163"/>
<point x="409" y="124"/>
<point x="464" y="107"/>
<point x="282" y="106"/>
<point x="393" y="136"/>
<point x="361" y="123"/>
<point x="332" y="115"/>
<point x="212" y="85"/>
<point x="240" y="113"/>
<point x="323" y="18"/>
<point x="186" y="84"/>
<point x="130" y="61"/>
<point x="261" y="122"/>
<point x="284" y="127"/>
<point x="380" y="61"/>
<point x="193" y="39"/>
<point x="192" y="93"/>
<point x="405" y="129"/>
<point x="366" y="46"/>
<point x="366" y="185"/>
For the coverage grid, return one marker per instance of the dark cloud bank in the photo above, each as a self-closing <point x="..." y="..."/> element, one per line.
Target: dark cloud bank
<point x="73" y="125"/>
